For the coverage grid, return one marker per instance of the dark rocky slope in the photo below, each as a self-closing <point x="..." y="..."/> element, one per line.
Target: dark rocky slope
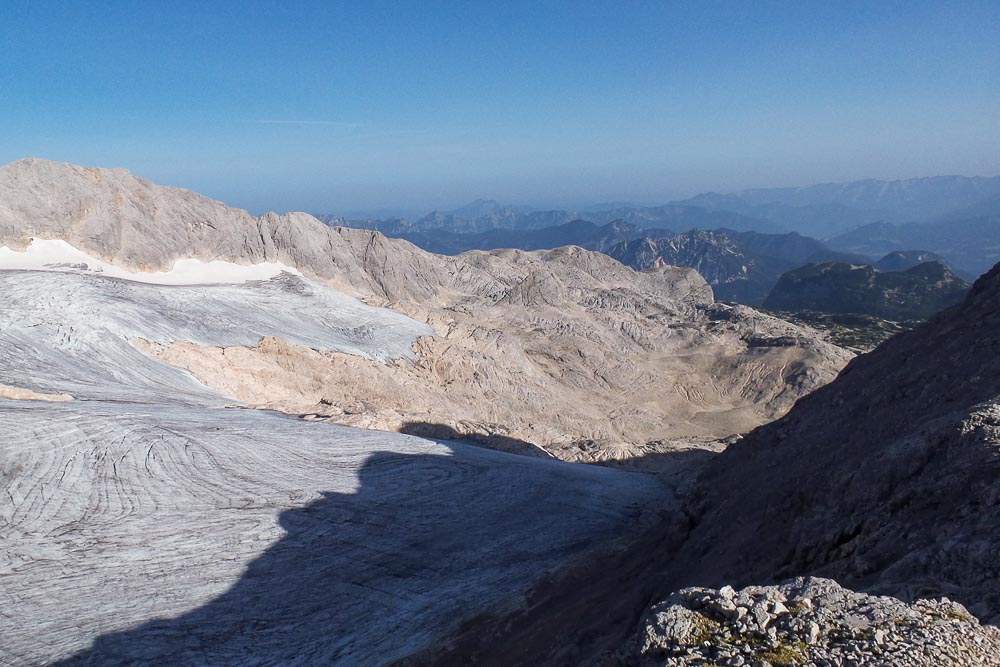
<point x="887" y="479"/>
<point x="839" y="287"/>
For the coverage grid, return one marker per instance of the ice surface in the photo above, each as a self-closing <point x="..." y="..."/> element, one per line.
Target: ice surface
<point x="144" y="523"/>
<point x="69" y="331"/>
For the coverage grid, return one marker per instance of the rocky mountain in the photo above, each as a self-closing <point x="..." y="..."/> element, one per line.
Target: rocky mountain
<point x="135" y="451"/>
<point x="971" y="245"/>
<point x="740" y="266"/>
<point x="883" y="480"/>
<point x="177" y="378"/>
<point x="901" y="260"/>
<point x="837" y="287"/>
<point x="564" y="350"/>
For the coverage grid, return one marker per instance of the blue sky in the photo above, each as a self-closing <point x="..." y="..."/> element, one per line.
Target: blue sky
<point x="326" y="106"/>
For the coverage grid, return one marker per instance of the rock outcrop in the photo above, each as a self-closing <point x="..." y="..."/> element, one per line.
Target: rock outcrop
<point x="808" y="622"/>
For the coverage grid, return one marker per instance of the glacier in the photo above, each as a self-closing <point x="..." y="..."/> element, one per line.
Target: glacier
<point x="153" y="520"/>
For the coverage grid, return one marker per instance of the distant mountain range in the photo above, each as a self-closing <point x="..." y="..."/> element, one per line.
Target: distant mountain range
<point x="577" y="232"/>
<point x="822" y="210"/>
<point x="486" y="215"/>
<point x="971" y="245"/>
<point x="740" y="266"/>
<point x="831" y="208"/>
<point x="954" y="217"/>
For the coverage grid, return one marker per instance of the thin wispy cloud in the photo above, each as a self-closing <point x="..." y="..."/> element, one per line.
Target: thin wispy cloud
<point x="393" y="133"/>
<point x="347" y="125"/>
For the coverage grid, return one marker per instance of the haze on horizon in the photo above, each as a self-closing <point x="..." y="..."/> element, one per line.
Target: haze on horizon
<point x="380" y="106"/>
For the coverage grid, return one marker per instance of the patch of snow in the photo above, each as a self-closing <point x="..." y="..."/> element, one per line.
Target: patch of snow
<point x="58" y="255"/>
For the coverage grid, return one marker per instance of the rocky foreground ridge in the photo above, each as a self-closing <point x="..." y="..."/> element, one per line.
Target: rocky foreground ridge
<point x="808" y="621"/>
<point x="562" y="353"/>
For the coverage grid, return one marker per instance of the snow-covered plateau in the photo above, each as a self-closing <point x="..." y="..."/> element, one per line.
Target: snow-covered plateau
<point x="146" y="518"/>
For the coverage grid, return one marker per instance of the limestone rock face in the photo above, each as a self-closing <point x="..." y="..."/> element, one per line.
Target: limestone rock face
<point x="565" y="349"/>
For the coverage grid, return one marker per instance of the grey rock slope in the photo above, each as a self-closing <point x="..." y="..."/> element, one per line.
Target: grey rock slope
<point x="884" y="479"/>
<point x="117" y="216"/>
